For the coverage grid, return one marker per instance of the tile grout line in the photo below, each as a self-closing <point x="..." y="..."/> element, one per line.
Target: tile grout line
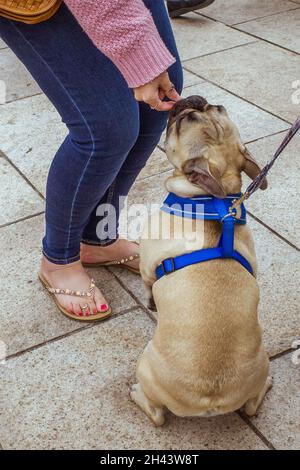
<point x="258" y="18"/>
<point x="238" y="96"/>
<point x="70" y="333"/>
<point x="254" y="19"/>
<point x="233" y="27"/>
<point x="273" y="231"/>
<point x="22" y="97"/>
<point x="266" y="136"/>
<point x="3" y="155"/>
<point x="220" y="51"/>
<point x="135" y="298"/>
<point x="154" y="174"/>
<point x="259" y="434"/>
<point x="266" y="40"/>
<point x="266" y="16"/>
<point x="28" y="217"/>
<point x="281" y="354"/>
<point x="193" y="84"/>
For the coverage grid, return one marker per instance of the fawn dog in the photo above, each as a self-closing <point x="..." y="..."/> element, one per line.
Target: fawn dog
<point x="206" y="357"/>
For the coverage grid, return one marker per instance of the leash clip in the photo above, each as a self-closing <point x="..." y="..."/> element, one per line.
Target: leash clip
<point x="237" y="203"/>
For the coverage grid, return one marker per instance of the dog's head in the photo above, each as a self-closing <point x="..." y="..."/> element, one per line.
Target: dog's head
<point x="204" y="145"/>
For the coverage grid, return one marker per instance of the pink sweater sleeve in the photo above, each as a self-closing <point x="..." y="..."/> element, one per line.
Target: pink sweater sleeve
<point x="125" y="32"/>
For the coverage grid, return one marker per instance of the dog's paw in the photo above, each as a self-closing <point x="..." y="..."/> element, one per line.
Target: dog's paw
<point x="155" y="413"/>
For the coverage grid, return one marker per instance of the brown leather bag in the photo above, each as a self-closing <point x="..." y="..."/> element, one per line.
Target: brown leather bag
<point x="29" y="11"/>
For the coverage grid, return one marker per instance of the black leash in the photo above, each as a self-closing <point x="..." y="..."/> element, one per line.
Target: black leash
<point x="255" y="184"/>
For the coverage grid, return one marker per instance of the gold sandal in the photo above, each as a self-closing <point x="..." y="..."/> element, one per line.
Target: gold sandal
<point x="120" y="263"/>
<point x="86" y="294"/>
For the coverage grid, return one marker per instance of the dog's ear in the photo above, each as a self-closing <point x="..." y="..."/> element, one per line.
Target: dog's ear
<point x="198" y="172"/>
<point x="251" y="167"/>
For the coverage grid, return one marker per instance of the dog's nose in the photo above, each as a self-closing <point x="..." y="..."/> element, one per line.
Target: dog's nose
<point x="194" y="102"/>
<point x="197" y="102"/>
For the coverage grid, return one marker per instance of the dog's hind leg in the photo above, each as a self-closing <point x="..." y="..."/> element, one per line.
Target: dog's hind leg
<point x="153" y="411"/>
<point x="253" y="404"/>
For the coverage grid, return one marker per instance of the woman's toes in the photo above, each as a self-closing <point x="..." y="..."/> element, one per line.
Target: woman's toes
<point x="92" y="308"/>
<point x="101" y="303"/>
<point x="103" y="307"/>
<point x="77" y="309"/>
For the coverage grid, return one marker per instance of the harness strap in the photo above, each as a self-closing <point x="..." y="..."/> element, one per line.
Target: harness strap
<point x="227" y="238"/>
<point x="171" y="265"/>
<point x="214" y="209"/>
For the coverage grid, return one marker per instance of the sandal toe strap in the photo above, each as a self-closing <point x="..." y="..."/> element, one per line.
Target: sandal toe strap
<point x="127" y="260"/>
<point x="76" y="293"/>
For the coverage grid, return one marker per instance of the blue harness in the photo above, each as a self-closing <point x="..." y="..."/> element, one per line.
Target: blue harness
<point x="205" y="208"/>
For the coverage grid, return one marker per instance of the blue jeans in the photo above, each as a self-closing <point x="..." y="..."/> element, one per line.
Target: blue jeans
<point x="111" y="136"/>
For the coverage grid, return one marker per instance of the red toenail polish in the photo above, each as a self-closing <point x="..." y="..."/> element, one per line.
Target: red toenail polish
<point x="104" y="307"/>
<point x="95" y="311"/>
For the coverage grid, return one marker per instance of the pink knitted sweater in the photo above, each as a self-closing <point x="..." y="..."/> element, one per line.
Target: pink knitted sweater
<point x="125" y="32"/>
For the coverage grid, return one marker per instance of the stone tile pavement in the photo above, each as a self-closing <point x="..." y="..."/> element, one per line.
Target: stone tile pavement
<point x="65" y="385"/>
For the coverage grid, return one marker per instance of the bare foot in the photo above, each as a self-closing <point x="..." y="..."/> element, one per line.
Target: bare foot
<point x="73" y="276"/>
<point x="121" y="249"/>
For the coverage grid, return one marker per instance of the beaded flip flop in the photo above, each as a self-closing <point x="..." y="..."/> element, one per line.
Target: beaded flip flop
<point x="84" y="294"/>
<point x="119" y="263"/>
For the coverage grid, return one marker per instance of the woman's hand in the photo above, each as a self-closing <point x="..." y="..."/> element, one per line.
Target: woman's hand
<point x="154" y="92"/>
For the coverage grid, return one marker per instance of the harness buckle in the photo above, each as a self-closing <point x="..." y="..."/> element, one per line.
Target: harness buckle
<point x="166" y="268"/>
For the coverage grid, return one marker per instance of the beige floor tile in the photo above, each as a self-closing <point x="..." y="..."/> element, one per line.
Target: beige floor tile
<point x="236" y="11"/>
<point x="134" y="284"/>
<point x="73" y="394"/>
<point x="145" y="196"/>
<point x="2" y="44"/>
<point x="260" y="73"/>
<point x="278" y="274"/>
<point x="28" y="316"/>
<point x="190" y="79"/>
<point x="30" y="134"/>
<point x="196" y="35"/>
<point x="17" y="198"/>
<point x="252" y="122"/>
<point x="271" y="28"/>
<point x="278" y="206"/>
<point x="148" y="191"/>
<point x="19" y="82"/>
<point x="279" y="415"/>
<point x="157" y="163"/>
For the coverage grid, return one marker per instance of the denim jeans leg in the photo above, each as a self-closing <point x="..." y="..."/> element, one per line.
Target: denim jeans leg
<point x="99" y="110"/>
<point x="102" y="228"/>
